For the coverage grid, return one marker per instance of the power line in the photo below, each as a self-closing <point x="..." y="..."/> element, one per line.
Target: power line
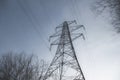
<point x="75" y="10"/>
<point x="44" y="10"/>
<point x="30" y="18"/>
<point x="70" y="9"/>
<point x="75" y="3"/>
<point x="36" y="28"/>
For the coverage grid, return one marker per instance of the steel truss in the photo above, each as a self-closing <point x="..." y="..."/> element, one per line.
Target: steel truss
<point x="65" y="65"/>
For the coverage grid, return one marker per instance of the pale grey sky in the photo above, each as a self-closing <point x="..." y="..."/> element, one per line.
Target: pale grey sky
<point x="25" y="25"/>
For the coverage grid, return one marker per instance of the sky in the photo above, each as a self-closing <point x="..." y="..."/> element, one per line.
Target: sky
<point x="25" y="26"/>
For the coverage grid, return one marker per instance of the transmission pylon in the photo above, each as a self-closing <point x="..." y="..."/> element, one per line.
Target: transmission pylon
<point x="65" y="65"/>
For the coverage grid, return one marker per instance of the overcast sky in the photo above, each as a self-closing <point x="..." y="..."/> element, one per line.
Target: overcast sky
<point x="25" y="25"/>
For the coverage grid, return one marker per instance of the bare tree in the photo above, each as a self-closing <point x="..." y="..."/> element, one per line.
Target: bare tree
<point x="21" y="67"/>
<point x="113" y="7"/>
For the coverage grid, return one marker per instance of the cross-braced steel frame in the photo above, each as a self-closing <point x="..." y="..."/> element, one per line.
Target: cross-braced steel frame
<point x="65" y="65"/>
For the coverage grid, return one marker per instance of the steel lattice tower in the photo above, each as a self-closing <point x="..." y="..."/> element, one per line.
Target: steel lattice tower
<point x="65" y="65"/>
